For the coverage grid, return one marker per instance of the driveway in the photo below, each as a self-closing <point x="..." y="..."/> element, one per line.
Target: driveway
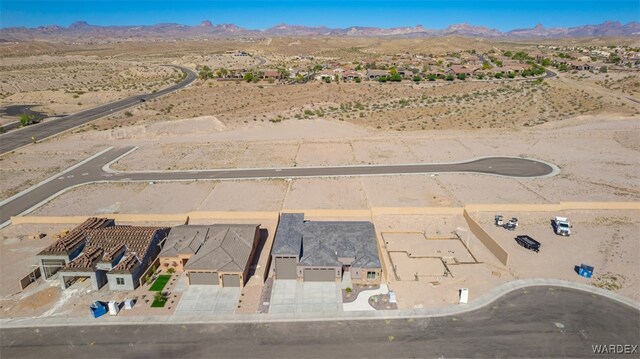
<point x="291" y="296"/>
<point x="202" y="300"/>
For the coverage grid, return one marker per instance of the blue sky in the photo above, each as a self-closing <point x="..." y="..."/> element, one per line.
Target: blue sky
<point x="261" y="14"/>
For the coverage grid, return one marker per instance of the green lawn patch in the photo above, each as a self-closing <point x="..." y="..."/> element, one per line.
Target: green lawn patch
<point x="158" y="303"/>
<point x="160" y="283"/>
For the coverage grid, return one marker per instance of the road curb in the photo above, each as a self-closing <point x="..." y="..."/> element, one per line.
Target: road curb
<point x="69" y="169"/>
<point x="452" y="310"/>
<point x="554" y="169"/>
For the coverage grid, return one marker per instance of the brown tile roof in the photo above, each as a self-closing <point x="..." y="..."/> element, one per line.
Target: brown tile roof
<point x="227" y="248"/>
<point x="111" y="239"/>
<point x="103" y="244"/>
<point x="111" y="254"/>
<point x="127" y="264"/>
<point x="87" y="260"/>
<point x="458" y="69"/>
<point x="76" y="236"/>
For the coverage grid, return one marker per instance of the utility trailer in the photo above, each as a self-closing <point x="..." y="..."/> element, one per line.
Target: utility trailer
<point x="528" y="243"/>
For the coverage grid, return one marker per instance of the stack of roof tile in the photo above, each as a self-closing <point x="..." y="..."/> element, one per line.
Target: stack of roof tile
<point x="76" y="236"/>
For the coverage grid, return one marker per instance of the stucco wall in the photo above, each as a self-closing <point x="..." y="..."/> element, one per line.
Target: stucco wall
<point x="487" y="240"/>
<point x="129" y="283"/>
<point x="98" y="278"/>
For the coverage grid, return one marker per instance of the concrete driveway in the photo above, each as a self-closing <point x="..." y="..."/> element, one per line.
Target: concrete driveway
<point x="291" y="296"/>
<point x="201" y="300"/>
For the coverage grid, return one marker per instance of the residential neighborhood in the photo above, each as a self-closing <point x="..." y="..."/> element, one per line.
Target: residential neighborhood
<point x="494" y="65"/>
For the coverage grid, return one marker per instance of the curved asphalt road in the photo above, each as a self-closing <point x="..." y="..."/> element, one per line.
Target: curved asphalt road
<point x="91" y="171"/>
<point x="546" y="322"/>
<point x="15" y="139"/>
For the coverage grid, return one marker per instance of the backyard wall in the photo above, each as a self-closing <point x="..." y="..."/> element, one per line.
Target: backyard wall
<point x="486" y="239"/>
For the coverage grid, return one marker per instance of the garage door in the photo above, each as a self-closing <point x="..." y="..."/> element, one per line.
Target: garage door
<point x="210" y="278"/>
<point x="286" y="268"/>
<point x="319" y="275"/>
<point x="230" y="280"/>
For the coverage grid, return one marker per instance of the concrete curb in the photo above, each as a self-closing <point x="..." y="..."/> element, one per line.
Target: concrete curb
<point x="23" y="192"/>
<point x="480" y="302"/>
<point x="554" y="169"/>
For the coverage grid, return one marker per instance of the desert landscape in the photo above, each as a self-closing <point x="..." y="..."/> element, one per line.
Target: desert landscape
<point x="586" y="122"/>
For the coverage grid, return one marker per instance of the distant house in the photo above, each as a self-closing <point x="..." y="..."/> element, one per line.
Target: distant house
<point x="271" y="74"/>
<point x="376" y="74"/>
<point x="453" y="60"/>
<point x="218" y="254"/>
<point x="318" y="251"/>
<point x="351" y="75"/>
<point x="515" y="68"/>
<point x="320" y="76"/>
<point x="580" y="66"/>
<point x="103" y="252"/>
<point x="459" y="69"/>
<point x="541" y="56"/>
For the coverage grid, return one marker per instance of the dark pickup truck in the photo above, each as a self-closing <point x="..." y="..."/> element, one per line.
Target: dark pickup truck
<point x="528" y="243"/>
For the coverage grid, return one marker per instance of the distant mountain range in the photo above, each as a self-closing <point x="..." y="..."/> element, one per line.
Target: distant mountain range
<point x="82" y="31"/>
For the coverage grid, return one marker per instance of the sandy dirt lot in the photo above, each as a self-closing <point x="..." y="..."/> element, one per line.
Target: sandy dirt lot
<point x="607" y="240"/>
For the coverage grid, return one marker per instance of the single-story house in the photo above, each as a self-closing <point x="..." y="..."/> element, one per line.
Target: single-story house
<point x="376" y="74"/>
<point x="319" y="251"/>
<point x="271" y="74"/>
<point x="350" y="75"/>
<point x="68" y="247"/>
<point x="458" y="69"/>
<point x="118" y="255"/>
<point x="320" y="76"/>
<point x="218" y="254"/>
<point x="580" y="66"/>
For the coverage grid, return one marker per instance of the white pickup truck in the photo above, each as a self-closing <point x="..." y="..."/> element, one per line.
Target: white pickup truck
<point x="562" y="226"/>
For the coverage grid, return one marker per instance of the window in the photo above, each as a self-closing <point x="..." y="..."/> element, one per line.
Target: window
<point x="120" y="281"/>
<point x="371" y="275"/>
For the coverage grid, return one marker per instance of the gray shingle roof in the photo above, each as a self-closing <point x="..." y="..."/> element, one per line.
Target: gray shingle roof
<point x="322" y="243"/>
<point x="289" y="234"/>
<point x="220" y="247"/>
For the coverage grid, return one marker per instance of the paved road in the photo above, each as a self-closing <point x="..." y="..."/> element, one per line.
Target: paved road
<point x="21" y="137"/>
<point x="548" y="322"/>
<point x="91" y="171"/>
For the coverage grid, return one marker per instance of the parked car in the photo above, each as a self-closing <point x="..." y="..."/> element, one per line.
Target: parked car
<point x="499" y="220"/>
<point x="528" y="243"/>
<point x="561" y="226"/>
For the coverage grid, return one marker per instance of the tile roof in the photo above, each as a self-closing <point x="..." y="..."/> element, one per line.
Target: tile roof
<point x="185" y="239"/>
<point x="227" y="248"/>
<point x="127" y="264"/>
<point x="103" y="244"/>
<point x="87" y="260"/>
<point x="322" y="243"/>
<point x="76" y="236"/>
<point x="137" y="239"/>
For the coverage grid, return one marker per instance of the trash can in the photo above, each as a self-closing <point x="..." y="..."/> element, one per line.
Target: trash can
<point x="114" y="307"/>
